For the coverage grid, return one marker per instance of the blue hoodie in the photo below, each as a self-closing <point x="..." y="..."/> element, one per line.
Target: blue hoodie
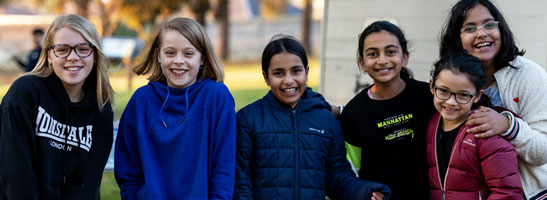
<point x="177" y="143"/>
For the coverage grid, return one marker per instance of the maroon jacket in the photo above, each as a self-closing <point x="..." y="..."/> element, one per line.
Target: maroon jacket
<point x="477" y="169"/>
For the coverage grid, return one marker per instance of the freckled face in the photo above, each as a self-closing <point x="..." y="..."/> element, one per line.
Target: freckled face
<point x="287" y="77"/>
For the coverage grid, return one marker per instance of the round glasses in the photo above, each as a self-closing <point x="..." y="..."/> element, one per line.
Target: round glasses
<point x="82" y="50"/>
<point x="445" y="94"/>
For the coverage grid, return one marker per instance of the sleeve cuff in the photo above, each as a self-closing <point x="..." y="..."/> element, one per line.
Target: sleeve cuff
<point x="514" y="126"/>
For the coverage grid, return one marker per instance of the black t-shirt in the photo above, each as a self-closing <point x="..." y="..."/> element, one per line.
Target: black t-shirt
<point x="445" y="141"/>
<point x="391" y="134"/>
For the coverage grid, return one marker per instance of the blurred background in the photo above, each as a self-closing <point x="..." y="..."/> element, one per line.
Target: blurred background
<point x="240" y="29"/>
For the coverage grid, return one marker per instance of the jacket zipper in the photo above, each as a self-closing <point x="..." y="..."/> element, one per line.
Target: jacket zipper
<point x="443" y="185"/>
<point x="296" y="155"/>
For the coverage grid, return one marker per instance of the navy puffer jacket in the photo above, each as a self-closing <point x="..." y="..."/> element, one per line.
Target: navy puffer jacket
<point x="294" y="154"/>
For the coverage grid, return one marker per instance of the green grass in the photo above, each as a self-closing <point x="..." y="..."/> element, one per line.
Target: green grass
<point x="245" y="97"/>
<point x="109" y="188"/>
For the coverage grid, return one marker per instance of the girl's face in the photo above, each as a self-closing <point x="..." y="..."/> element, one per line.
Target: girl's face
<point x="483" y="43"/>
<point x="454" y="110"/>
<point x="179" y="59"/>
<point x="73" y="69"/>
<point x="287" y="78"/>
<point x="383" y="57"/>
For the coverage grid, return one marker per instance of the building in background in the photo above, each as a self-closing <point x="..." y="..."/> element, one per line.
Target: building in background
<point x="421" y="20"/>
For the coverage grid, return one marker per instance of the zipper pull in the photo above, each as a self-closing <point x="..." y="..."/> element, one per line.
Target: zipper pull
<point x="64" y="179"/>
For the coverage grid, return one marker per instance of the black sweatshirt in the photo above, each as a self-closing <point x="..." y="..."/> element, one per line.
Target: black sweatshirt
<point x="51" y="148"/>
<point x="391" y="134"/>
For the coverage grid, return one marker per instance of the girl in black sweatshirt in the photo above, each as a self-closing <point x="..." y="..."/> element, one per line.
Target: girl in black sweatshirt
<point x="56" y="121"/>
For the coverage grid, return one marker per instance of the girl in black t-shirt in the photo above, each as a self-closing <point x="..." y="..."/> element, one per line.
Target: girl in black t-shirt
<point x="387" y="120"/>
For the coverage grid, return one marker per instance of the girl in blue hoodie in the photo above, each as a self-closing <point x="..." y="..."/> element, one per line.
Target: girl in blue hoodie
<point x="176" y="138"/>
<point x="289" y="145"/>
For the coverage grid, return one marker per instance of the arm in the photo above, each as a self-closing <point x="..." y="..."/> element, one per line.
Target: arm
<point x="221" y="183"/>
<point x="498" y="161"/>
<point x="17" y="148"/>
<point x="342" y="182"/>
<point x="243" y="185"/>
<point x="19" y="62"/>
<point x="127" y="163"/>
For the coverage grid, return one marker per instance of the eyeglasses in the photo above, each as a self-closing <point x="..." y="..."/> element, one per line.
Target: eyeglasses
<point x="488" y="26"/>
<point x="83" y="50"/>
<point x="445" y="94"/>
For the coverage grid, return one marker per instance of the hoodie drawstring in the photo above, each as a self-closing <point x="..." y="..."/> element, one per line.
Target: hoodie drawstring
<point x="165" y="102"/>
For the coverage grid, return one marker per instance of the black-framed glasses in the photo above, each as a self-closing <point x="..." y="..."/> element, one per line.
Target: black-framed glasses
<point x="82" y="50"/>
<point x="445" y="94"/>
<point x="488" y="26"/>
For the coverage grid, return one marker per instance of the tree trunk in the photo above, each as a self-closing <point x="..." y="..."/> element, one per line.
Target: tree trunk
<point x="224" y="29"/>
<point x="306" y="26"/>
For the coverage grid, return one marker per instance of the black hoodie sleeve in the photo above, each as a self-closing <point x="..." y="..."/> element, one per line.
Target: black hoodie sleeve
<point x="341" y="181"/>
<point x="17" y="149"/>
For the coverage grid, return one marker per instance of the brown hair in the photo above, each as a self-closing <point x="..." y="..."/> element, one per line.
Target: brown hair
<point x="196" y="34"/>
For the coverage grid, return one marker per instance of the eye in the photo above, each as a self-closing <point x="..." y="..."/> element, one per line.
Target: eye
<point x="391" y="52"/>
<point x="277" y="73"/>
<point x="189" y="53"/>
<point x="170" y="53"/>
<point x="465" y="95"/>
<point x="469" y="29"/>
<point x="443" y="91"/>
<point x="61" y="49"/>
<point x="372" y="54"/>
<point x="491" y="25"/>
<point x="297" y="70"/>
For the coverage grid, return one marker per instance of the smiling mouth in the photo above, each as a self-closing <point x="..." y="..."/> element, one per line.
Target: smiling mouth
<point x="72" y="69"/>
<point x="178" y="71"/>
<point x="483" y="44"/>
<point x="289" y="90"/>
<point x="384" y="70"/>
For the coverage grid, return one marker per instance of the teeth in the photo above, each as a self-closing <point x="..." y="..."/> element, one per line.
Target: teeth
<point x="384" y="70"/>
<point x="483" y="44"/>
<point x="72" y="68"/>
<point x="177" y="71"/>
<point x="290" y="90"/>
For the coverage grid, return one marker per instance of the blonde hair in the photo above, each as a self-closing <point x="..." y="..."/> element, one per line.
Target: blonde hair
<point x="105" y="93"/>
<point x="196" y="34"/>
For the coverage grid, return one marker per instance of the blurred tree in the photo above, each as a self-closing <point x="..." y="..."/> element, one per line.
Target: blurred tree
<point x="222" y="16"/>
<point x="271" y="9"/>
<point x="200" y="8"/>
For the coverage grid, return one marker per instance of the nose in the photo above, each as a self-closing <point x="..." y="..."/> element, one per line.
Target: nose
<point x="382" y="59"/>
<point x="481" y="32"/>
<point x="179" y="59"/>
<point x="452" y="100"/>
<point x="72" y="55"/>
<point x="288" y="79"/>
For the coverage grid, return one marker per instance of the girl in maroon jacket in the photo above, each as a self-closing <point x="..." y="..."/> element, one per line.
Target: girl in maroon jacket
<point x="460" y="165"/>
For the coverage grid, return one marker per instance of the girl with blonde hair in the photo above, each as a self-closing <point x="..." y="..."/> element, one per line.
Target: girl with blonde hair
<point x="56" y="130"/>
<point x="176" y="138"/>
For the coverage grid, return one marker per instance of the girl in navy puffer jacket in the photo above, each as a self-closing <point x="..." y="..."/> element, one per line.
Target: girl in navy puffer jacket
<point x="460" y="165"/>
<point x="289" y="145"/>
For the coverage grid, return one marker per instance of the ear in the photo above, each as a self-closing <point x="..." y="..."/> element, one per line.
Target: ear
<point x="431" y="87"/>
<point x="478" y="96"/>
<point x="362" y="65"/>
<point x="404" y="62"/>
<point x="266" y="78"/>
